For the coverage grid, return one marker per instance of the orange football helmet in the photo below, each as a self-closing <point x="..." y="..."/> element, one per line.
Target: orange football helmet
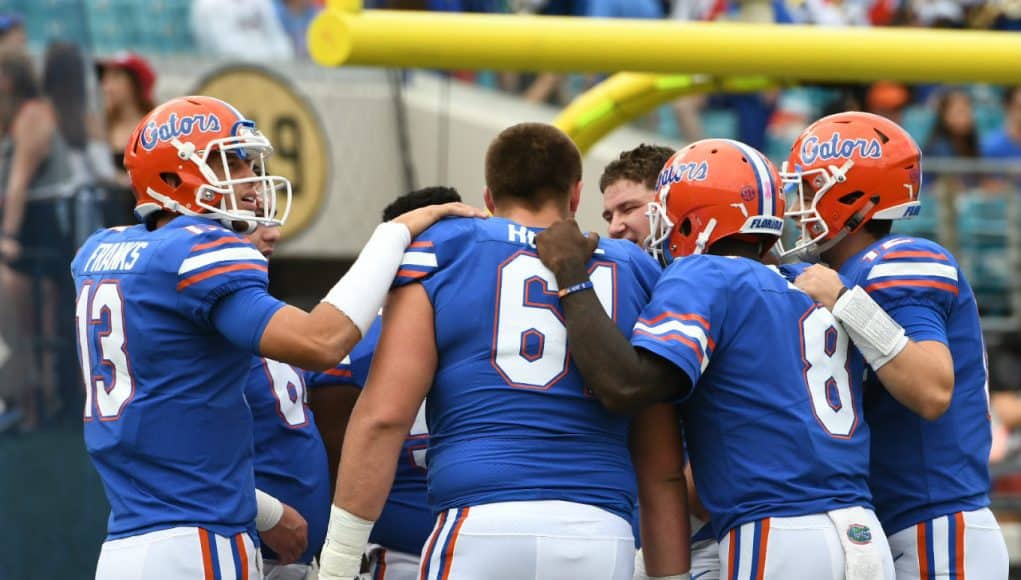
<point x="710" y="190"/>
<point x="169" y="158"/>
<point x="845" y="170"/>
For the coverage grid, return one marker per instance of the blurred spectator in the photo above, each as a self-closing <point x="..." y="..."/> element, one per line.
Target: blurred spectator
<point x="1005" y="143"/>
<point x="625" y="9"/>
<point x="1005" y="404"/>
<point x="88" y="154"/>
<point x="295" y="16"/>
<point x="888" y="99"/>
<point x="33" y="174"/>
<point x="954" y="133"/>
<point x="128" y="85"/>
<point x="242" y="29"/>
<point x="12" y="33"/>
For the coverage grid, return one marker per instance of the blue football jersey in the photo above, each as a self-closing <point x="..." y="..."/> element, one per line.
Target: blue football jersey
<point x="290" y="459"/>
<point x="773" y="424"/>
<point x="509" y="415"/>
<point x="406" y="521"/>
<point x="166" y="421"/>
<point x="924" y="469"/>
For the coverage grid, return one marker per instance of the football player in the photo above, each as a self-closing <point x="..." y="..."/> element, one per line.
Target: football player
<point x="778" y="449"/>
<point x="909" y="309"/>
<point x="403" y="526"/>
<point x="629" y="185"/>
<point x="530" y="476"/>
<point x="169" y="313"/>
<point x="291" y="472"/>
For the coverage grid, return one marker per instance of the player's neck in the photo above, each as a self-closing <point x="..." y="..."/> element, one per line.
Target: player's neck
<point x="850" y="246"/>
<point x="163" y="219"/>
<point x="542" y="217"/>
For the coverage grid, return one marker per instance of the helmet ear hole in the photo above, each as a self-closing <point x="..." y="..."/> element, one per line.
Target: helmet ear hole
<point x="850" y="198"/>
<point x="171" y="179"/>
<point x="686" y="227"/>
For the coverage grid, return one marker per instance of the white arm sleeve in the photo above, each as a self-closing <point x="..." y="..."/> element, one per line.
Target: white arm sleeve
<point x="360" y="293"/>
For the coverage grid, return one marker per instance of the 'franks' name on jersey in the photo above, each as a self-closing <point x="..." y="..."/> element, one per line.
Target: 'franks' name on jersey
<point x="115" y="256"/>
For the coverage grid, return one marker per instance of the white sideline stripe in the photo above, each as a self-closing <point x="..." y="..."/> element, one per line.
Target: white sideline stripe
<point x="419" y="259"/>
<point x="913" y="269"/>
<point x="227" y="255"/>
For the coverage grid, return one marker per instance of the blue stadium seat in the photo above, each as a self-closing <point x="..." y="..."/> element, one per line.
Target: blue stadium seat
<point x="982" y="237"/>
<point x="925" y="224"/>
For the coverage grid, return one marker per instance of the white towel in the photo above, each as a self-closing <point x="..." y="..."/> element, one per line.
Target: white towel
<point x="862" y="561"/>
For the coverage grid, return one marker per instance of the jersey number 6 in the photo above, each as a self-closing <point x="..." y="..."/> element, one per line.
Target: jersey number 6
<point x="530" y="339"/>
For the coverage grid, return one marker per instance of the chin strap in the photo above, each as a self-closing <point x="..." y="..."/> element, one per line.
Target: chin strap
<point x="702" y="241"/>
<point x="851" y="225"/>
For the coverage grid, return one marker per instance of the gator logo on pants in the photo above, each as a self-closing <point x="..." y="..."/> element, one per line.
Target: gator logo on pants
<point x="859" y="534"/>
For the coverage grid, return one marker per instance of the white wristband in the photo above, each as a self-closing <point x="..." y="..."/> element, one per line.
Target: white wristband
<point x="877" y="336"/>
<point x="268" y="511"/>
<point x="360" y="293"/>
<point x="346" y="538"/>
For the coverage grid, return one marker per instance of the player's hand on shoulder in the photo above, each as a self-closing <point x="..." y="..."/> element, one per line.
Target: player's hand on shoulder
<point x="289" y="538"/>
<point x="562" y="247"/>
<point x="418" y="220"/>
<point x="822" y="284"/>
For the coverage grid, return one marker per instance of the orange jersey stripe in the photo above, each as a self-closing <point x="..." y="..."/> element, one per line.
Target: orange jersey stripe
<point x="242" y="556"/>
<point x="217" y="271"/>
<point x="338" y="372"/>
<point x="425" y="244"/>
<point x="453" y="541"/>
<point x="207" y="556"/>
<point x="923" y="550"/>
<point x="923" y="283"/>
<point x="763" y="541"/>
<point x="959" y="545"/>
<point x="916" y="254"/>
<point x="414" y="274"/>
<point x="696" y="317"/>
<point x="678" y="337"/>
<point x="215" y="243"/>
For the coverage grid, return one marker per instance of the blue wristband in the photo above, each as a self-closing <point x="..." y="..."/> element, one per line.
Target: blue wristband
<point x="576" y="288"/>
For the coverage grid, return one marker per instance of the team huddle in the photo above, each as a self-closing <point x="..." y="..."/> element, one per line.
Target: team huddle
<point x="513" y="399"/>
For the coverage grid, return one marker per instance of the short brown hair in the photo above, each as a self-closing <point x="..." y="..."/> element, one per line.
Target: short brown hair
<point x="532" y="163"/>
<point x="641" y="165"/>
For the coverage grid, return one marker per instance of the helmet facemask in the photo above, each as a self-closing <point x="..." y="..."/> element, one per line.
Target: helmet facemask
<point x="660" y="227"/>
<point x="813" y="230"/>
<point x="225" y="198"/>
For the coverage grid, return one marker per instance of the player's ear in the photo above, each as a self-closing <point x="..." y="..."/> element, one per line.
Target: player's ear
<point x="487" y="196"/>
<point x="575" y="197"/>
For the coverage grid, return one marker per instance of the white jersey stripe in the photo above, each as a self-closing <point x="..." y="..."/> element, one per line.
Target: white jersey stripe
<point x="419" y="259"/>
<point x="693" y="331"/>
<point x="226" y="255"/>
<point x="897" y="269"/>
